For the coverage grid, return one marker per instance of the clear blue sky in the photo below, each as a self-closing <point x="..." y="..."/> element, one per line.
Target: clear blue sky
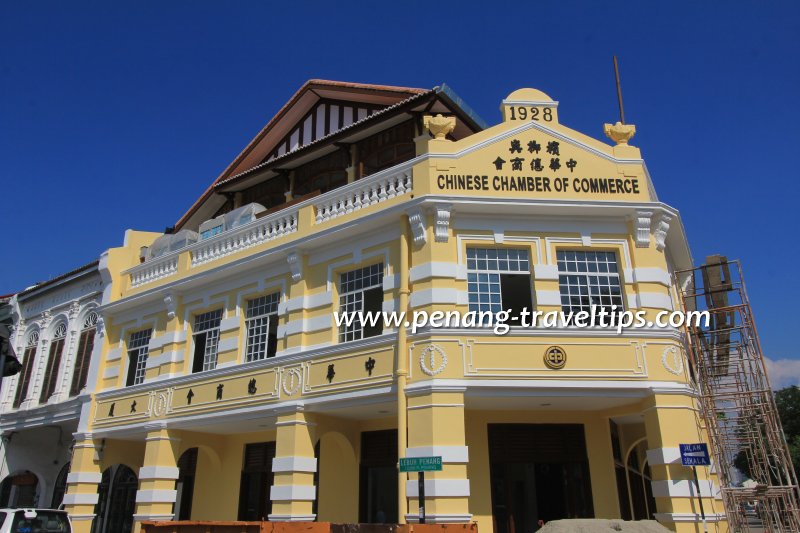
<point x="118" y="115"/>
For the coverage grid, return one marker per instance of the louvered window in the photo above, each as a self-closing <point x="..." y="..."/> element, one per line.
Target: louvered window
<point x="27" y="369"/>
<point x="53" y="363"/>
<point x="84" y="355"/>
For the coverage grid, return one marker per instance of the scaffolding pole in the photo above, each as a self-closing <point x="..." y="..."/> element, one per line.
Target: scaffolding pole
<point x="737" y="403"/>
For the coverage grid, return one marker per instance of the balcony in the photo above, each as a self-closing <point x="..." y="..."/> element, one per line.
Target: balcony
<point x="302" y="217"/>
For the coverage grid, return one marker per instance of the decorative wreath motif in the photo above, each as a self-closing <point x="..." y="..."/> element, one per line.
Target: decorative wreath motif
<point x="292" y="380"/>
<point x="677" y="360"/>
<point x="429" y="355"/>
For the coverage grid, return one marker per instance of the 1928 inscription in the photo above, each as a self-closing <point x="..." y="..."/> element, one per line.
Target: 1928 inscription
<point x="530" y="113"/>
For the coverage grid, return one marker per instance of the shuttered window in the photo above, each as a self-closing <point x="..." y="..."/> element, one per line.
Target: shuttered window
<point x="27" y="369"/>
<point x="84" y="355"/>
<point x="53" y="363"/>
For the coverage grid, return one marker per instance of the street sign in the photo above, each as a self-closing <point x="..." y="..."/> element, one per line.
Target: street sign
<point x="695" y="454"/>
<point x="421" y="464"/>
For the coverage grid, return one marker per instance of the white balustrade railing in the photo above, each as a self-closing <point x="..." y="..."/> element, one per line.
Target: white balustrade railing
<point x="158" y="268"/>
<point x="365" y="192"/>
<point x="251" y="234"/>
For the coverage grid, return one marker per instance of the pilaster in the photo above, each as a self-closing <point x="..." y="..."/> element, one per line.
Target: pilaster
<point x="293" y="491"/>
<point x="156" y="496"/>
<point x="436" y="428"/>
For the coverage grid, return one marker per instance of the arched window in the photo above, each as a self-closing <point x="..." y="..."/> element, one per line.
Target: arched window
<point x="27" y="368"/>
<point x="53" y="362"/>
<point x="84" y="355"/>
<point x="60" y="488"/>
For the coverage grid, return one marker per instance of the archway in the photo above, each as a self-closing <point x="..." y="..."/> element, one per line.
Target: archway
<point x="116" y="500"/>
<point x="20" y="490"/>
<point x="187" y="467"/>
<point x="338" y="467"/>
<point x="60" y="487"/>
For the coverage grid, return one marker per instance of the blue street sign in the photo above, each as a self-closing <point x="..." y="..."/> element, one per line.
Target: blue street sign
<point x="695" y="454"/>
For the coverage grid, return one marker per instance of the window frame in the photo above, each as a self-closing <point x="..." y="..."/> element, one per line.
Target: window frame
<point x="271" y="316"/>
<point x="24" y="379"/>
<point x="357" y="299"/>
<point x="566" y="305"/>
<point x="53" y="364"/>
<point x="83" y="356"/>
<point x="209" y="350"/>
<point x="138" y="342"/>
<point x="474" y="272"/>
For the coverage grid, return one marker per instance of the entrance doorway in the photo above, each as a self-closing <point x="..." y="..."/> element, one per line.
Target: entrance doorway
<point x="116" y="500"/>
<point x="184" y="486"/>
<point x="378" y="487"/>
<point x="539" y="472"/>
<point x="256" y="481"/>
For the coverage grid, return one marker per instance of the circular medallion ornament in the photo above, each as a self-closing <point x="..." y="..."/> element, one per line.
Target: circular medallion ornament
<point x="672" y="360"/>
<point x="555" y="357"/>
<point x="292" y="380"/>
<point x="432" y="360"/>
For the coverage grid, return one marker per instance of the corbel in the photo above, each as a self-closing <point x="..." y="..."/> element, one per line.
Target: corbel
<point x="295" y="261"/>
<point x="416" y="219"/>
<point x="642" y="222"/>
<point x="662" y="228"/>
<point x="441" y="224"/>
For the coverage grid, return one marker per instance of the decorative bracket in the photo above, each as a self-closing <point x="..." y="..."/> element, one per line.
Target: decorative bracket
<point x="662" y="228"/>
<point x="295" y="265"/>
<point x="441" y="225"/>
<point x="416" y="219"/>
<point x="643" y="222"/>
<point x="171" y="301"/>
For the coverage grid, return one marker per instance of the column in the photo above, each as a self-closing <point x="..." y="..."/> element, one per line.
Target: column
<point x="670" y="420"/>
<point x="293" y="491"/>
<point x="436" y="428"/>
<point x="156" y="496"/>
<point x="82" y="481"/>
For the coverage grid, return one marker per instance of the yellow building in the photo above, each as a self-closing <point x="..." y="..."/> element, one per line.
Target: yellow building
<point x="226" y="389"/>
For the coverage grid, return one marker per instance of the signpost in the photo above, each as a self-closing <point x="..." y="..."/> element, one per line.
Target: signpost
<point x="421" y="465"/>
<point x="694" y="455"/>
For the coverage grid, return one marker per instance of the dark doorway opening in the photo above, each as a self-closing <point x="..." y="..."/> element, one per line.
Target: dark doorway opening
<point x="538" y="472"/>
<point x="60" y="487"/>
<point x="256" y="482"/>
<point x="184" y="486"/>
<point x="378" y="483"/>
<point x="116" y="501"/>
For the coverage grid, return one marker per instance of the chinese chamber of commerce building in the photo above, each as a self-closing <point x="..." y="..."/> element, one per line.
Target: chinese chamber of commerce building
<point x="226" y="390"/>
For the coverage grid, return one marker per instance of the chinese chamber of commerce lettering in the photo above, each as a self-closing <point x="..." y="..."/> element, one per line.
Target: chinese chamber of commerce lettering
<point x="535" y="157"/>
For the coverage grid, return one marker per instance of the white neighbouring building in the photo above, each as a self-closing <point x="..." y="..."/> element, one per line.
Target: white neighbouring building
<point x="55" y="334"/>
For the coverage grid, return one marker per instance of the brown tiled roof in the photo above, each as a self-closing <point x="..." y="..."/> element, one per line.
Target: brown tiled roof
<point x="325" y="138"/>
<point x="252" y="144"/>
<point x="61" y="277"/>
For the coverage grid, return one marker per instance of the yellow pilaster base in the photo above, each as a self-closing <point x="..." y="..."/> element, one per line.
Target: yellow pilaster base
<point x="436" y="428"/>
<point x="156" y="496"/>
<point x="671" y="420"/>
<point x="84" y="477"/>
<point x="293" y="491"/>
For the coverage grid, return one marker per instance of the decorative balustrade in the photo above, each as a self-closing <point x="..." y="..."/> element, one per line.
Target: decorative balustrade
<point x="374" y="189"/>
<point x="254" y="233"/>
<point x="365" y="192"/>
<point x="158" y="268"/>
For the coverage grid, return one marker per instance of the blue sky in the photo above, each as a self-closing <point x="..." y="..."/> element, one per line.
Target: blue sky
<point x="118" y="115"/>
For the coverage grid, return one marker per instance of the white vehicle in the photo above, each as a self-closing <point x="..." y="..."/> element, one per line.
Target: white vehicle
<point x="34" y="521"/>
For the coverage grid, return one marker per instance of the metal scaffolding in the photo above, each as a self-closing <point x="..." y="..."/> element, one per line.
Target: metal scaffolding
<point x="737" y="403"/>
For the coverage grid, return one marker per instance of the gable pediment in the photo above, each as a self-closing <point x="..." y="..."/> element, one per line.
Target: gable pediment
<point x="531" y="155"/>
